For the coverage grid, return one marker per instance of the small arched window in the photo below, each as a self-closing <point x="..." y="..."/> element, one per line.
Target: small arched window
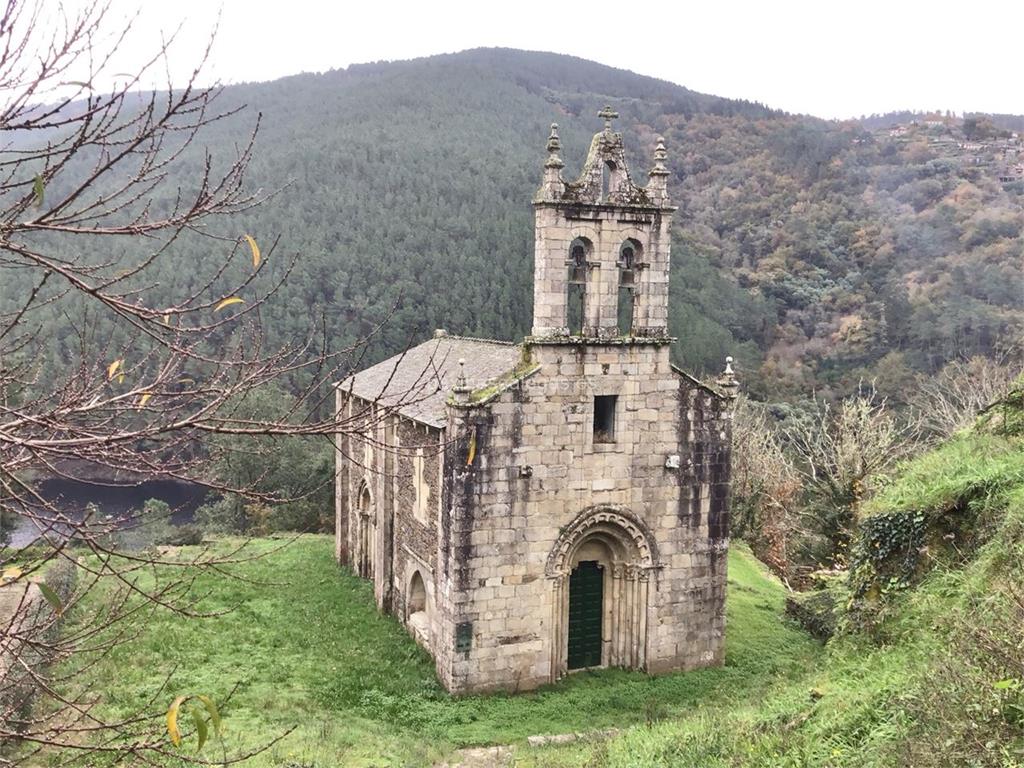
<point x="629" y="259"/>
<point x="576" y="286"/>
<point x="366" y="538"/>
<point x="417" y="599"/>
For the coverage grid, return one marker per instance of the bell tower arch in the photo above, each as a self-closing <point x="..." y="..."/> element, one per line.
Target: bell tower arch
<point x="601" y="253"/>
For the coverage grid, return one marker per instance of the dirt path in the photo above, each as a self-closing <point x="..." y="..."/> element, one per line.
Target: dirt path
<point x="502" y="757"/>
<point x="480" y="757"/>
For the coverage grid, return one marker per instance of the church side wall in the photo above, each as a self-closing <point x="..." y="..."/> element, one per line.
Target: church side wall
<point x="536" y="469"/>
<point x="417" y="509"/>
<point x="688" y="626"/>
<point x="398" y="461"/>
<point x="363" y="469"/>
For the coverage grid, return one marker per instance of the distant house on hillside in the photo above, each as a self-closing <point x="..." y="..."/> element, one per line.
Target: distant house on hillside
<point x="532" y="509"/>
<point x="1012" y="173"/>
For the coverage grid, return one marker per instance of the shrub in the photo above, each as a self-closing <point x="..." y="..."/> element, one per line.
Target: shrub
<point x="61" y="577"/>
<point x="295" y="476"/>
<point x="186" y="535"/>
<point x="232" y="514"/>
<point x="222" y="516"/>
<point x="1006" y="415"/>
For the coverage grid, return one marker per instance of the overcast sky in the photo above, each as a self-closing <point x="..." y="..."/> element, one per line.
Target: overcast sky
<point x="826" y="58"/>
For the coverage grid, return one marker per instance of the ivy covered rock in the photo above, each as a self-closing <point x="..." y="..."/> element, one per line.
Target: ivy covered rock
<point x="941" y="508"/>
<point x="814" y="611"/>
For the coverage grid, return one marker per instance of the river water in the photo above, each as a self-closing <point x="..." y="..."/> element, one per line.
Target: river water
<point x="72" y="496"/>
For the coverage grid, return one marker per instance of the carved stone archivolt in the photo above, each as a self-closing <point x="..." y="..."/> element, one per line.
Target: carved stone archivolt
<point x="618" y="525"/>
<point x="624" y="547"/>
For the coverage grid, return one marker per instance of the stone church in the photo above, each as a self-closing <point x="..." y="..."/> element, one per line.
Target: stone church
<point x="560" y="504"/>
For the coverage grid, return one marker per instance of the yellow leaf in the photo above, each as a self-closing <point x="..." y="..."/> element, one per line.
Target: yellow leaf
<point x="167" y="319"/>
<point x="112" y="368"/>
<point x="144" y="399"/>
<point x="212" y="709"/>
<point x="472" y="448"/>
<point x="201" y="729"/>
<point x="255" y="251"/>
<point x="120" y="378"/>
<point x="172" y="720"/>
<point x="11" y="573"/>
<point x="51" y="597"/>
<point x="228" y="302"/>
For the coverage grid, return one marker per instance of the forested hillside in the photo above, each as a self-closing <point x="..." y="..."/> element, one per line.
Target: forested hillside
<point x="818" y="253"/>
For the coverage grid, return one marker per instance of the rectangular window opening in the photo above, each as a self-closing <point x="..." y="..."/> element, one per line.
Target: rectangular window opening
<point x="604" y="418"/>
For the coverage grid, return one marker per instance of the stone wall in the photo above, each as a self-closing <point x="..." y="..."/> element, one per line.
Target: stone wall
<point x="398" y="462"/>
<point x="417" y="509"/>
<point x="537" y="471"/>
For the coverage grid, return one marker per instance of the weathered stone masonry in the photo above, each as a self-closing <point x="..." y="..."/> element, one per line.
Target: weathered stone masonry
<point x="530" y="509"/>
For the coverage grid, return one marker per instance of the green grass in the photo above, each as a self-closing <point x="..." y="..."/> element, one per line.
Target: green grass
<point x="970" y="466"/>
<point x="304" y="649"/>
<point x="308" y="651"/>
<point x="931" y="693"/>
<point x="852" y="708"/>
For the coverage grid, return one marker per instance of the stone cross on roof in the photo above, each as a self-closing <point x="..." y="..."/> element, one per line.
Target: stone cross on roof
<point x="608" y="114"/>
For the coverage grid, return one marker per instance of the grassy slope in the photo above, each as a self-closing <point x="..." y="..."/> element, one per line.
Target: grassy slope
<point x="310" y="652"/>
<point x="929" y="691"/>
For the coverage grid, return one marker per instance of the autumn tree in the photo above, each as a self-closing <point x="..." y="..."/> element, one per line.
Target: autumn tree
<point x="149" y="373"/>
<point x="843" y="451"/>
<point x="952" y="399"/>
<point x="765" y="486"/>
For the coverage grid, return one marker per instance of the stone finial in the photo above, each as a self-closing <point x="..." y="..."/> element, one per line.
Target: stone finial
<point x="727" y="381"/>
<point x="660" y="155"/>
<point x="554" y="146"/>
<point x="657" y="187"/>
<point x="461" y="385"/>
<point x="552" y="187"/>
<point x="608" y="114"/>
<point x="461" y="391"/>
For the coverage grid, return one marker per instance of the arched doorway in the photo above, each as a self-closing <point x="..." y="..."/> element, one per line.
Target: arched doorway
<point x="417" y="594"/>
<point x="600" y="567"/>
<point x="417" y="609"/>
<point x="366" y="538"/>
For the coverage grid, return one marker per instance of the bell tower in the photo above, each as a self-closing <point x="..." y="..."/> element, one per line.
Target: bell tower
<point x="601" y="252"/>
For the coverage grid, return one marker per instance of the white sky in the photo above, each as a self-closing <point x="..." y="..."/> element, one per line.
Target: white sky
<point x="827" y="58"/>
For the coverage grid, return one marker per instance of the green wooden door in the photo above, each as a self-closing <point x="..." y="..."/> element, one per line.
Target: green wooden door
<point x="586" y="598"/>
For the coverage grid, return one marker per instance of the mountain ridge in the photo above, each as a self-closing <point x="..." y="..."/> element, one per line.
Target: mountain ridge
<point x="817" y="253"/>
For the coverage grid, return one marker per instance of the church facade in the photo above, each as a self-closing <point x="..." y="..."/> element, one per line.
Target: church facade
<point x="532" y="509"/>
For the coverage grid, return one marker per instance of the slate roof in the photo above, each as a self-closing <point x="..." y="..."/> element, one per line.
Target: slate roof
<point x="419" y="381"/>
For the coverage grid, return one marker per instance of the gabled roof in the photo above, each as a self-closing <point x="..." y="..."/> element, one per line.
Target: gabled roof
<point x="417" y="382"/>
